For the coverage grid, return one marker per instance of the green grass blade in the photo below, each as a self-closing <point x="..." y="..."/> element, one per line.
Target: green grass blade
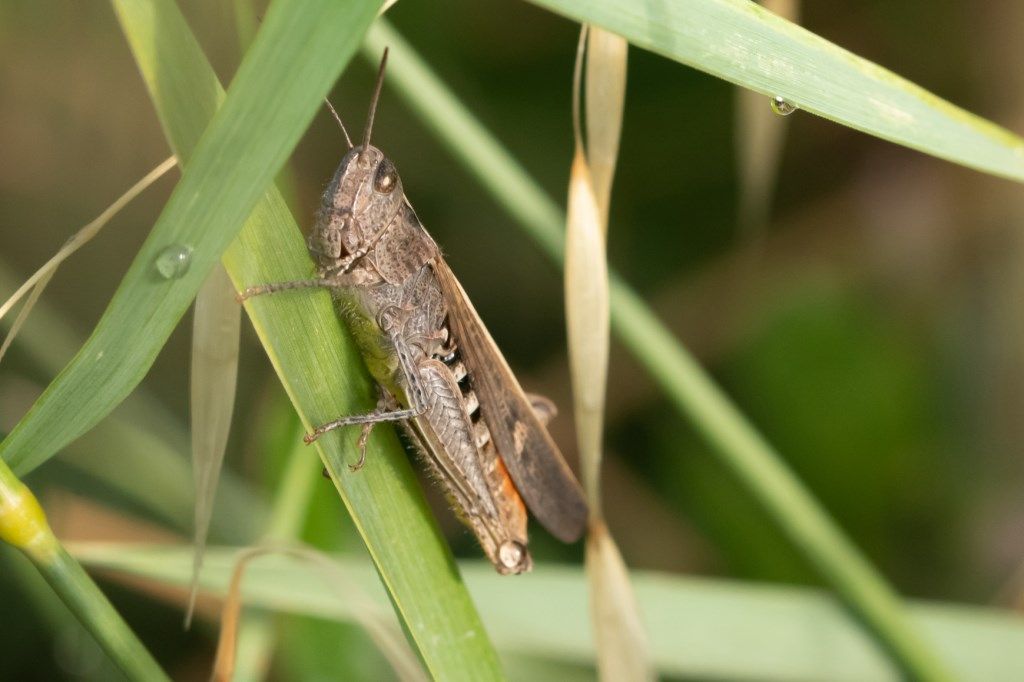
<point x="23" y="525"/>
<point x="216" y="339"/>
<point x="745" y="44"/>
<point x="321" y="370"/>
<point x="298" y="54"/>
<point x="700" y="628"/>
<point x="741" y="448"/>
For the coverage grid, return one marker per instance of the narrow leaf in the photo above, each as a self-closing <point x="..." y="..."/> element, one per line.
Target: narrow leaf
<point x="22" y="316"/>
<point x="23" y="524"/>
<point x="621" y="642"/>
<point x="740" y="42"/>
<point x="701" y="628"/>
<point x="605" y="91"/>
<point x="621" y="646"/>
<point x="215" y="338"/>
<point x="586" y="312"/>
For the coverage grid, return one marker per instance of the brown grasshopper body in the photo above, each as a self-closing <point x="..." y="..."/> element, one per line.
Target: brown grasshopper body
<point x="440" y="372"/>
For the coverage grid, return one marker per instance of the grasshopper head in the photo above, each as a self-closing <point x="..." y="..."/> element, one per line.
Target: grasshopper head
<point x="361" y="201"/>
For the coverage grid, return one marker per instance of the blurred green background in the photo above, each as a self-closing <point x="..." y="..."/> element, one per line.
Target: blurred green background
<point x="874" y="332"/>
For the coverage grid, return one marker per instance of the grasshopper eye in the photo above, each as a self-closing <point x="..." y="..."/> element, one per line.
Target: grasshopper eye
<point x="386" y="178"/>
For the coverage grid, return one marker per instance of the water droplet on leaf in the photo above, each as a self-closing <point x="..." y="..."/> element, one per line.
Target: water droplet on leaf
<point x="173" y="261"/>
<point x="781" y="107"/>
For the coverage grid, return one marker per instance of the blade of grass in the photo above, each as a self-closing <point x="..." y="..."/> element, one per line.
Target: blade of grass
<point x="22" y="316"/>
<point x="47" y="340"/>
<point x="760" y="469"/>
<point x="700" y="628"/>
<point x="586" y="296"/>
<point x="622" y="651"/>
<point x="743" y="43"/>
<point x="48" y="609"/>
<point x="24" y="526"/>
<point x="605" y="87"/>
<point x="216" y="333"/>
<point x="307" y="344"/>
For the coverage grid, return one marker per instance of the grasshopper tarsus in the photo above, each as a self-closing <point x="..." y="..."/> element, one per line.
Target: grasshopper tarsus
<point x="249" y="292"/>
<point x="364" y="437"/>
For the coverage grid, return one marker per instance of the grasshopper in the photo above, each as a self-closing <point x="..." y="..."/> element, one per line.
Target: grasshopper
<point x="440" y="374"/>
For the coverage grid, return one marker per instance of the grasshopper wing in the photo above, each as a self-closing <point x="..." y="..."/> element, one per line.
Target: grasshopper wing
<point x="543" y="479"/>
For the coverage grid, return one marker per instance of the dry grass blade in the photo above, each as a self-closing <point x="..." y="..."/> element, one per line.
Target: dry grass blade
<point x="620" y="640"/>
<point x="586" y="299"/>
<point x="23" y="314"/>
<point x="85" y="234"/>
<point x="215" y="339"/>
<point x="605" y="99"/>
<point x="586" y="308"/>
<point x="622" y="648"/>
<point x="760" y="134"/>
<point x="378" y="623"/>
<point x="41" y="277"/>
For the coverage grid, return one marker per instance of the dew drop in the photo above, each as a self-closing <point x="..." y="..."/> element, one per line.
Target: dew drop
<point x="173" y="261"/>
<point x="781" y="107"/>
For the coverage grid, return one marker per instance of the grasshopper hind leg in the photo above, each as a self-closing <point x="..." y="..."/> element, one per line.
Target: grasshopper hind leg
<point x="374" y="417"/>
<point x="387" y="410"/>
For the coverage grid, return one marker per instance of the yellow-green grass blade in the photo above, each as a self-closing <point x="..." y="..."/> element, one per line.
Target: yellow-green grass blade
<point x="320" y="369"/>
<point x="699" y="628"/>
<point x="23" y="525"/>
<point x="761" y="470"/>
<point x="743" y="43"/>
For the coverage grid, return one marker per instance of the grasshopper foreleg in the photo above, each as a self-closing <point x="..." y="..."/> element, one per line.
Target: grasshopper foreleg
<point x="273" y="288"/>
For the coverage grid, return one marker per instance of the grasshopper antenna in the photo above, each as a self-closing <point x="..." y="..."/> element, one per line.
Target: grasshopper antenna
<point x="348" y="140"/>
<point x="376" y="97"/>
